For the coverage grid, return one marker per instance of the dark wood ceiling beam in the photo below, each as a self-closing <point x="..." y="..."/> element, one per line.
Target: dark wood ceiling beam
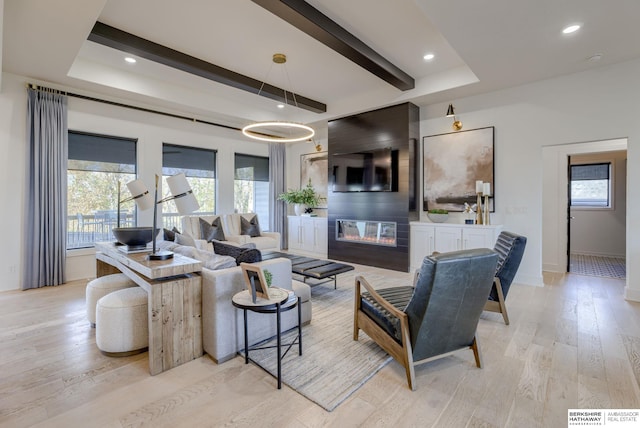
<point x="134" y="45"/>
<point x="310" y="20"/>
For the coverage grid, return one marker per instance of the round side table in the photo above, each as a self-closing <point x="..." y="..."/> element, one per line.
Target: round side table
<point x="281" y="301"/>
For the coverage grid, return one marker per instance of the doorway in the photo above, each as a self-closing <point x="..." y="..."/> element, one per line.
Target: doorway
<point x="596" y="213"/>
<point x="555" y="230"/>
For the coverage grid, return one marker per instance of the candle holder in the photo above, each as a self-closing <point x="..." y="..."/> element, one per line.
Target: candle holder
<point x="479" y="209"/>
<point x="486" y="210"/>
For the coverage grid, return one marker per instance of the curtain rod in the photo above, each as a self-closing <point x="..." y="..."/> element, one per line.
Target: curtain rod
<point x="118" y="104"/>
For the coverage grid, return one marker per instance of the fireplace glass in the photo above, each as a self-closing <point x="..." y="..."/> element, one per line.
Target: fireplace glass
<point x="367" y="232"/>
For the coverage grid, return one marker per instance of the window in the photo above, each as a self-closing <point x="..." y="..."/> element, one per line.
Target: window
<point x="97" y="165"/>
<point x="591" y="185"/>
<point x="199" y="165"/>
<point x="251" y="187"/>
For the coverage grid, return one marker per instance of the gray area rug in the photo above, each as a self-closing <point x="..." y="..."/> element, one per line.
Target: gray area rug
<point x="332" y="366"/>
<point x="608" y="267"/>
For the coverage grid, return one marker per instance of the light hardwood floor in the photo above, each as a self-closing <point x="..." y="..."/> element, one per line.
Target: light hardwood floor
<point x="574" y="343"/>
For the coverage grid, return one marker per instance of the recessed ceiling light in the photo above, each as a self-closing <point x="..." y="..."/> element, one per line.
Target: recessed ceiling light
<point x="130" y="60"/>
<point x="428" y="57"/>
<point x="280" y="105"/>
<point x="571" y="29"/>
<point x="595" y="57"/>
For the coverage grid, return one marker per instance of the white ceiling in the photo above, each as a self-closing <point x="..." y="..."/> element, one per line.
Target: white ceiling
<point x="479" y="46"/>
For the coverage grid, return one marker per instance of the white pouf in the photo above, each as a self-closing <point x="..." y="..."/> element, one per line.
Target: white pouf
<point x="100" y="287"/>
<point x="122" y="322"/>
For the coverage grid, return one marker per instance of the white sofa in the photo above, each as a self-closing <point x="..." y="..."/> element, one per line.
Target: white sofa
<point x="231" y="227"/>
<point x="223" y="324"/>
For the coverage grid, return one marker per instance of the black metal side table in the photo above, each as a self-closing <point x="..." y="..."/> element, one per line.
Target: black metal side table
<point x="281" y="301"/>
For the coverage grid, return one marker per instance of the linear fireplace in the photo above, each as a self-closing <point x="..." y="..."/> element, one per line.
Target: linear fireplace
<point x="367" y="232"/>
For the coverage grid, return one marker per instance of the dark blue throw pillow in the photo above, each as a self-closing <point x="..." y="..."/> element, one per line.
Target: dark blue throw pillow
<point x="250" y="227"/>
<point x="212" y="231"/>
<point x="241" y="254"/>
<point x="170" y="235"/>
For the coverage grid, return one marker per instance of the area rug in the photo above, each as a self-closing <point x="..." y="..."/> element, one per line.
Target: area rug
<point x="332" y="366"/>
<point x="608" y="267"/>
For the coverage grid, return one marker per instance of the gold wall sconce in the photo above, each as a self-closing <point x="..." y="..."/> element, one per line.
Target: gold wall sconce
<point x="456" y="125"/>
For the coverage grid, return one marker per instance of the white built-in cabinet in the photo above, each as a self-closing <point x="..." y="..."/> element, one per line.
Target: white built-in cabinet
<point x="425" y="238"/>
<point x="308" y="236"/>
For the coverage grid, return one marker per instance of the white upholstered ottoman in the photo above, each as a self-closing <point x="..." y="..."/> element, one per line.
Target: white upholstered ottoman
<point x="100" y="287"/>
<point x="122" y="322"/>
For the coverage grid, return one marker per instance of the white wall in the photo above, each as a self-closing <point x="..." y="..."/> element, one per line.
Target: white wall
<point x="294" y="151"/>
<point x="13" y="167"/>
<point x="601" y="232"/>
<point x="151" y="131"/>
<point x="601" y="104"/>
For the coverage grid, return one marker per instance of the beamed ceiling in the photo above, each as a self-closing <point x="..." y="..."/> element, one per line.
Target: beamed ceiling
<point x="213" y="59"/>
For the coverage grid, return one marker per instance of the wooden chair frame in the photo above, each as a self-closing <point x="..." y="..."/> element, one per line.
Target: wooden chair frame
<point x="499" y="306"/>
<point x="402" y="353"/>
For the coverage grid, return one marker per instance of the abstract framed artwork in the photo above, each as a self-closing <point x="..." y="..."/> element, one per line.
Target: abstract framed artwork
<point x="452" y="163"/>
<point x="314" y="167"/>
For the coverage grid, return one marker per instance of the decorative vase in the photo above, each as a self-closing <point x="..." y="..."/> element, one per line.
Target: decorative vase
<point x="299" y="208"/>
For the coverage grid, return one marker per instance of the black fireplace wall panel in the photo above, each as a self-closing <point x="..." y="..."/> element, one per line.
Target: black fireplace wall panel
<point x="395" y="127"/>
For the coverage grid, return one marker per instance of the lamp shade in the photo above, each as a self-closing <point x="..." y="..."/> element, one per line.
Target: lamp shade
<point x="140" y="194"/>
<point x="450" y="112"/>
<point x="183" y="196"/>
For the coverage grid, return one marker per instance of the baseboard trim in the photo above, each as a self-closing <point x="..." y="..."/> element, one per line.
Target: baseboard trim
<point x="554" y="267"/>
<point x="631" y="294"/>
<point x="536" y="281"/>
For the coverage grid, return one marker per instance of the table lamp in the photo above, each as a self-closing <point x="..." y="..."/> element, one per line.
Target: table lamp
<point x="139" y="194"/>
<point x="185" y="201"/>
<point x="135" y="238"/>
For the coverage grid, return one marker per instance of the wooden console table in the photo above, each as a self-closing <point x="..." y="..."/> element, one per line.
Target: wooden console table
<point x="174" y="288"/>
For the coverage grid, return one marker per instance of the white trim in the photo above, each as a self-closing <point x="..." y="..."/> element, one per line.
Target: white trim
<point x="536" y="281"/>
<point x="631" y="294"/>
<point x="555" y="212"/>
<point x="78" y="252"/>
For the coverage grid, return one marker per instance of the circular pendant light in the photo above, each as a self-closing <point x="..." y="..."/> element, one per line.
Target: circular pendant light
<point x="293" y="131"/>
<point x="279" y="131"/>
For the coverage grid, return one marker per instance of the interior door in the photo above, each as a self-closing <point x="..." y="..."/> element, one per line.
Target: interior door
<point x="569" y="216"/>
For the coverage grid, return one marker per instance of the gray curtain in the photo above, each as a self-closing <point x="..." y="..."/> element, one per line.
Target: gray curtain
<point x="46" y="216"/>
<point x="277" y="209"/>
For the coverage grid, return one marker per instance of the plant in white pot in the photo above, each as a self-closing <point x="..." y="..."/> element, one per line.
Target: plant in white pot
<point x="301" y="198"/>
<point x="438" y="215"/>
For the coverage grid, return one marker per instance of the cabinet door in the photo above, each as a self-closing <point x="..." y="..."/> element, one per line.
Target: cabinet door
<point x="321" y="240"/>
<point x="308" y="233"/>
<point x="477" y="238"/>
<point x="295" y="233"/>
<point x="448" y="239"/>
<point x="422" y="244"/>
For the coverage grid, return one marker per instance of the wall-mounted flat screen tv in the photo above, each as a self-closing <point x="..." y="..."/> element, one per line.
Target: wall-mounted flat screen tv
<point x="366" y="171"/>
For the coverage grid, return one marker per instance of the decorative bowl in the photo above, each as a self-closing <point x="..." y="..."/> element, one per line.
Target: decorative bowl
<point x="133" y="236"/>
<point x="438" y="218"/>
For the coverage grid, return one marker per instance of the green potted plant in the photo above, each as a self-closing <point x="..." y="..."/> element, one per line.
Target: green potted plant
<point x="268" y="276"/>
<point x="301" y="198"/>
<point x="438" y="215"/>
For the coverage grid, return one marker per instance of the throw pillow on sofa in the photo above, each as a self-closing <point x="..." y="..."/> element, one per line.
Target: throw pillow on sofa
<point x="211" y="231"/>
<point x="209" y="260"/>
<point x="250" y="227"/>
<point x="183" y="239"/>
<point x="170" y="235"/>
<point x="241" y="254"/>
